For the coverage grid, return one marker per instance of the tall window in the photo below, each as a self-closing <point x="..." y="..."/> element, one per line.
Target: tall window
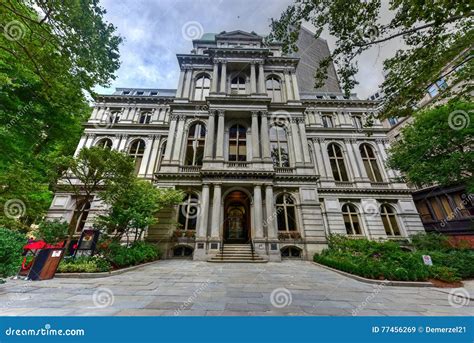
<point x="351" y="219"/>
<point x="370" y="163"/>
<point x="337" y="162"/>
<point x="286" y="213"/>
<point x="237" y="86"/>
<point x="389" y="219"/>
<point x="188" y="212"/>
<point x="201" y="88"/>
<point x="279" y="146"/>
<point x="137" y="148"/>
<point x="145" y="118"/>
<point x="273" y="86"/>
<point x="327" y="121"/>
<point x="237" y="143"/>
<point x="195" y="145"/>
<point x="105" y="143"/>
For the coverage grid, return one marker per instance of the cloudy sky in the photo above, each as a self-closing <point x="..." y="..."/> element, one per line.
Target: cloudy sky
<point x="154" y="31"/>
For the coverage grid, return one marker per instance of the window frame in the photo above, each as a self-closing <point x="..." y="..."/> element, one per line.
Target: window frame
<point x="138" y="153"/>
<point x="239" y="143"/>
<point x="274" y="93"/>
<point x="202" y="90"/>
<point x="371" y="162"/>
<point x="350" y="211"/>
<point x="338" y="161"/>
<point x="238" y="88"/>
<point x="285" y="205"/>
<point x="281" y="162"/>
<point x="199" y="136"/>
<point x="390" y="214"/>
<point x="190" y="199"/>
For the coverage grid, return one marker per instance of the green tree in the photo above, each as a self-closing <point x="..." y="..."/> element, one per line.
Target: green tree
<point x="52" y="231"/>
<point x="437" y="147"/>
<point x="52" y="53"/>
<point x="133" y="207"/>
<point x="434" y="33"/>
<point x="94" y="169"/>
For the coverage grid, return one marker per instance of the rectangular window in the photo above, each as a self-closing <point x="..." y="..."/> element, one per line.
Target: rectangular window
<point x="433" y="91"/>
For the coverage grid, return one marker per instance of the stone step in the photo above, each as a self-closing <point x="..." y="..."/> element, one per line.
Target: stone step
<point x="236" y="261"/>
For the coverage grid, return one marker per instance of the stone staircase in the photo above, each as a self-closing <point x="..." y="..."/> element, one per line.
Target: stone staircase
<point x="237" y="253"/>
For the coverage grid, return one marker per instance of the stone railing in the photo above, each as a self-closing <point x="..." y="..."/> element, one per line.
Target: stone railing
<point x="284" y="170"/>
<point x="190" y="169"/>
<point x="238" y="164"/>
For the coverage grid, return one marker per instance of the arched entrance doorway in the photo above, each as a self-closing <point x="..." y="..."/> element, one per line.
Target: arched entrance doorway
<point x="237" y="218"/>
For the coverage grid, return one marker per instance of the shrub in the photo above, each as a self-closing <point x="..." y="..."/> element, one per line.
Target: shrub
<point x="52" y="231"/>
<point x="430" y="242"/>
<point x="139" y="252"/>
<point x="444" y="273"/>
<point x="11" y="248"/>
<point x="84" y="264"/>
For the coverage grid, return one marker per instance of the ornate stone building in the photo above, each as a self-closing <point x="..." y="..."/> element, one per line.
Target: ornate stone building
<point x="262" y="164"/>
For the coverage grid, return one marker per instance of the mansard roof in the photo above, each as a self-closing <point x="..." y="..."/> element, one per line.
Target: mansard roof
<point x="238" y="35"/>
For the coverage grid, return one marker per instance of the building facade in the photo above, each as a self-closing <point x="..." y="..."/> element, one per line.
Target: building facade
<point x="261" y="163"/>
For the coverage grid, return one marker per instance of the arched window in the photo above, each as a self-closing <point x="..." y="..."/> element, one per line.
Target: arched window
<point x="351" y="219"/>
<point x="358" y="123"/>
<point x="273" y="86"/>
<point x="195" y="145"/>
<point x="145" y="118"/>
<point x="337" y="162"/>
<point x="105" y="143"/>
<point x="327" y="121"/>
<point x="137" y="148"/>
<point x="237" y="143"/>
<point x="389" y="219"/>
<point x="189" y="212"/>
<point x="237" y="86"/>
<point x="370" y="163"/>
<point x="182" y="251"/>
<point x="201" y="88"/>
<point x="291" y="252"/>
<point x="286" y="213"/>
<point x="279" y="146"/>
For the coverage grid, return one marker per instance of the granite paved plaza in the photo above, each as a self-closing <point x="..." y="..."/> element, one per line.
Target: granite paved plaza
<point x="181" y="287"/>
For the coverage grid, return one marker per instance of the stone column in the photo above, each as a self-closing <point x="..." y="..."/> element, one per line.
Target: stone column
<point x="324" y="152"/>
<point x="170" y="141"/>
<point x="81" y="144"/>
<point x="261" y="78"/>
<point x="179" y="91"/>
<point x="89" y="140"/>
<point x="253" y="78"/>
<point x="291" y="145"/>
<point x="389" y="174"/>
<point x="223" y="77"/>
<point x="319" y="157"/>
<point x="288" y="88"/>
<point x="210" y="136"/>
<point x="352" y="159"/>
<point x="258" y="215"/>
<point x="255" y="136"/>
<point x="220" y="136"/>
<point x="296" y="92"/>
<point x="265" y="139"/>
<point x="203" y="220"/>
<point x="179" y="139"/>
<point x="296" y="141"/>
<point x="270" y="209"/>
<point x="215" y="72"/>
<point x="146" y="155"/>
<point x="187" y="83"/>
<point x="304" y="141"/>
<point x="216" y="212"/>
<point x="155" y="151"/>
